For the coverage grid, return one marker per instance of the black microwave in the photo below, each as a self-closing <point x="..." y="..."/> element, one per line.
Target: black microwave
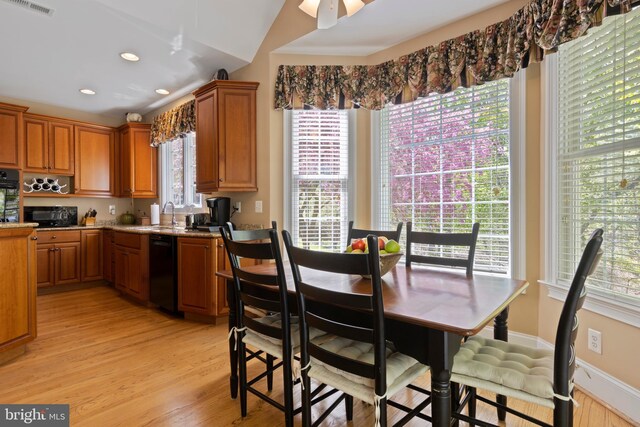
<point x="51" y="216"/>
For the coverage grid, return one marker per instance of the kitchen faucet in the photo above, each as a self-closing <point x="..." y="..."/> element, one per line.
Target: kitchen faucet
<point x="173" y="212"/>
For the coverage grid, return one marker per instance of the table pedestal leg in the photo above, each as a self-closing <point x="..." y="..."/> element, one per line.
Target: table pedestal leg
<point x="501" y="332"/>
<point x="233" y="353"/>
<point x="442" y="347"/>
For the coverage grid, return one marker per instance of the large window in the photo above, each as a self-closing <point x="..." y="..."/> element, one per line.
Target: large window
<point x="317" y="186"/>
<point x="597" y="155"/>
<point x="444" y="164"/>
<point x="178" y="172"/>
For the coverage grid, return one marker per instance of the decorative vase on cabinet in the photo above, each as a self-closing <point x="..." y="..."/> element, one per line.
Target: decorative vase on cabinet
<point x="226" y="136"/>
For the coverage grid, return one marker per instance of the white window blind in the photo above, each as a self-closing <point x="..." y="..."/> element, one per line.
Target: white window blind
<point x="179" y="172"/>
<point x="319" y="178"/>
<point x="598" y="154"/>
<point x="444" y="164"/>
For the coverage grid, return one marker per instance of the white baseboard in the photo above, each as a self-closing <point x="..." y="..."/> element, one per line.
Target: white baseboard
<point x="620" y="396"/>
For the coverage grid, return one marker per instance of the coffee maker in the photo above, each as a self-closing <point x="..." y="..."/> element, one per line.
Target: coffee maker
<point x="219" y="210"/>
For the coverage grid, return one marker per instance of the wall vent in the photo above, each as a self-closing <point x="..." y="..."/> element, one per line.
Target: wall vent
<point x="34" y="7"/>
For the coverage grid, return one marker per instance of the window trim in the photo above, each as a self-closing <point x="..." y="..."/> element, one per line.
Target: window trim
<point x="612" y="306"/>
<point x="517" y="174"/>
<point x="163" y="167"/>
<point x="287" y="140"/>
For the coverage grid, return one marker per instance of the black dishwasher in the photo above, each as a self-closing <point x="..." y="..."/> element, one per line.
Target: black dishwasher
<point x="163" y="272"/>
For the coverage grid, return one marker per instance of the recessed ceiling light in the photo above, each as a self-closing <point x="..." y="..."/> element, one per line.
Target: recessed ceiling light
<point x="128" y="56"/>
<point x="88" y="91"/>
<point x="162" y="91"/>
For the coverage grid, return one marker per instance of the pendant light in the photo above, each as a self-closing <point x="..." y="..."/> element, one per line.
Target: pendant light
<point x="327" y="10"/>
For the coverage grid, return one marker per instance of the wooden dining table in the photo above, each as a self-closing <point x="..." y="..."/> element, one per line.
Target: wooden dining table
<point x="427" y="313"/>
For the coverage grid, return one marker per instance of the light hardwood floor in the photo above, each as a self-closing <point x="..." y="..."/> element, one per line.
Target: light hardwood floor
<point x="119" y="364"/>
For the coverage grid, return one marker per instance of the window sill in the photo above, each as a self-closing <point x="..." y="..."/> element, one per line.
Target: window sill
<point x="617" y="308"/>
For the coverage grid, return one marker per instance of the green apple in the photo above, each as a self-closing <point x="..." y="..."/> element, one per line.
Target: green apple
<point x="392" y="247"/>
<point x="357" y="251"/>
<point x="349" y="249"/>
<point x="382" y="252"/>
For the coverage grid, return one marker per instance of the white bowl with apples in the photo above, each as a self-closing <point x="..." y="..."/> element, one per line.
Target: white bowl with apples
<point x="389" y="252"/>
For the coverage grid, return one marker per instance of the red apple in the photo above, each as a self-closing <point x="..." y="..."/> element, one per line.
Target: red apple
<point x="358" y="244"/>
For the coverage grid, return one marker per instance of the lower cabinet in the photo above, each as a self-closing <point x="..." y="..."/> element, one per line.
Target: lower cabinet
<point x="108" y="259"/>
<point x="18" y="290"/>
<point x="91" y="245"/>
<point x="197" y="266"/>
<point x="58" y="258"/>
<point x="132" y="264"/>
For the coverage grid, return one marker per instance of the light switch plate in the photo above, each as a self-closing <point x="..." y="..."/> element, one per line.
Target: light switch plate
<point x="112" y="209"/>
<point x="238" y="206"/>
<point x="258" y="206"/>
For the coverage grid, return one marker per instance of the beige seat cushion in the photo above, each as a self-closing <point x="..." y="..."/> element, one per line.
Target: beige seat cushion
<point x="401" y="369"/>
<point x="272" y="345"/>
<point x="509" y="369"/>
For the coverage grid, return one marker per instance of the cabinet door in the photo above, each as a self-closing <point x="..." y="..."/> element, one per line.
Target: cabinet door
<point x="207" y="143"/>
<point x="126" y="164"/>
<point x="36" y="145"/>
<point x="237" y="139"/>
<point x="134" y="280"/>
<point x="122" y="268"/>
<point x="45" y="265"/>
<point x="91" y="255"/>
<point x="145" y="164"/>
<point x="61" y="148"/>
<point x="94" y="155"/>
<point x="10" y="138"/>
<point x="67" y="263"/>
<point x="108" y="256"/>
<point x="196" y="269"/>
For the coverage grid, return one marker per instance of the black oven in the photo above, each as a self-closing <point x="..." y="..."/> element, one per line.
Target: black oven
<point x="52" y="216"/>
<point x="9" y="195"/>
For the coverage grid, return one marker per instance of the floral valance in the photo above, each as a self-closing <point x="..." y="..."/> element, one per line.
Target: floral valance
<point x="173" y="123"/>
<point x="500" y="50"/>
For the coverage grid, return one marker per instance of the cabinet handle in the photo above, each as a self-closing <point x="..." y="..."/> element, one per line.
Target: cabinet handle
<point x="34" y="238"/>
<point x="54" y="237"/>
<point x="220" y="179"/>
<point x="220" y="246"/>
<point x="206" y="247"/>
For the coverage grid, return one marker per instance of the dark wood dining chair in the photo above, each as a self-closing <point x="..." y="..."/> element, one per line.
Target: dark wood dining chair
<point x="361" y="233"/>
<point x="443" y="240"/>
<point x="541" y="376"/>
<point x="259" y="234"/>
<point x="353" y="355"/>
<point x="274" y="334"/>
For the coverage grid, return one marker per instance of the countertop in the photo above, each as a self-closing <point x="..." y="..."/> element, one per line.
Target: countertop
<point x="140" y="229"/>
<point x="18" y="224"/>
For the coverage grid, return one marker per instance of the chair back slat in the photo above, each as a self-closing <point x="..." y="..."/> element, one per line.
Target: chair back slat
<point x="262" y="279"/>
<point x="356" y="301"/>
<point x="361" y="233"/>
<point x="353" y="366"/>
<point x="318" y="310"/>
<point x="355" y="333"/>
<point x="261" y="234"/>
<point x="468" y="240"/>
<point x="260" y="303"/>
<point x="244" y="249"/>
<point x="253" y="324"/>
<point x="564" y="354"/>
<point x="331" y="262"/>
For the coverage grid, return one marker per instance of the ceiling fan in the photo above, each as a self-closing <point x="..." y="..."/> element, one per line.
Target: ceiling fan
<point x="327" y="10"/>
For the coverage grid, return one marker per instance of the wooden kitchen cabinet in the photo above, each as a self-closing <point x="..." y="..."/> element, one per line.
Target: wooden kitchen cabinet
<point x="132" y="264"/>
<point x="18" y="293"/>
<point x="92" y="258"/>
<point x="197" y="266"/>
<point x="138" y="162"/>
<point x="58" y="258"/>
<point x="94" y="161"/>
<point x="11" y="135"/>
<point x="108" y="248"/>
<point x="48" y="145"/>
<point x="226" y="136"/>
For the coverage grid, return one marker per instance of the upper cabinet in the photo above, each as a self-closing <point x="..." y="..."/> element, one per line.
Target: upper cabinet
<point x="94" y="160"/>
<point x="11" y="135"/>
<point x="48" y="145"/>
<point x="138" y="162"/>
<point x="226" y="136"/>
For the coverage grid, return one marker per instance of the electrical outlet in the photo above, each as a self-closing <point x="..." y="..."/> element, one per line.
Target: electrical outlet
<point x="238" y="207"/>
<point x="112" y="209"/>
<point x="258" y="206"/>
<point x="595" y="341"/>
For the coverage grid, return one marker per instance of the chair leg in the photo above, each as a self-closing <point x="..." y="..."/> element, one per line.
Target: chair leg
<point x="242" y="362"/>
<point x="502" y="414"/>
<point x="472" y="402"/>
<point x="383" y="412"/>
<point x="270" y="360"/>
<point x="455" y="401"/>
<point x="306" y="400"/>
<point x="348" y="403"/>
<point x="288" y="391"/>
<point x="561" y="413"/>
